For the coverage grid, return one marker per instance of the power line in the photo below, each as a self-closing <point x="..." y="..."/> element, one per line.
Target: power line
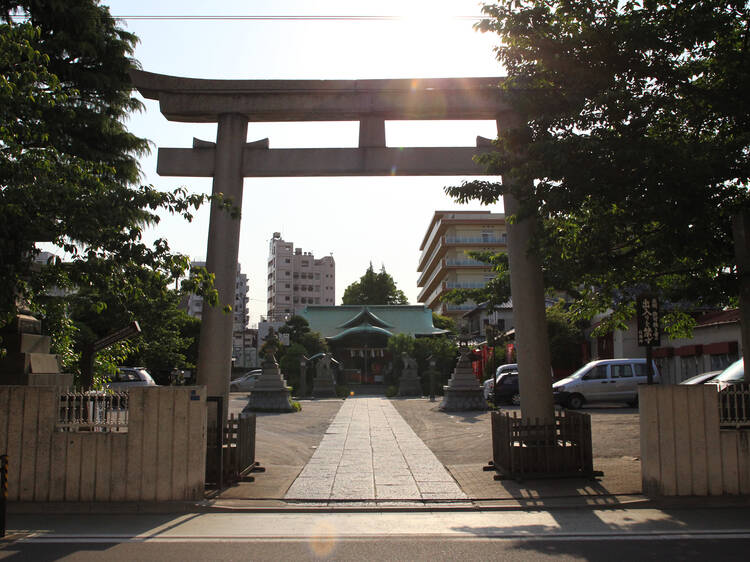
<point x="269" y="18"/>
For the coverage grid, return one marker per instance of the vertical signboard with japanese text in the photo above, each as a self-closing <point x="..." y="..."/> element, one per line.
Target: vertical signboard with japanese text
<point x="648" y="328"/>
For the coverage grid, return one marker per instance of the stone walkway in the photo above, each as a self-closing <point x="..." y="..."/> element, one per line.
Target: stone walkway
<point x="370" y="453"/>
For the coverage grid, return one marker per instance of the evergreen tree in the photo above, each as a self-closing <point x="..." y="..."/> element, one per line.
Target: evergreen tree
<point x="374" y="288"/>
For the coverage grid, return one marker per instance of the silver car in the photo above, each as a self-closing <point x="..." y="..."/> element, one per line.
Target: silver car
<point x="128" y="377"/>
<point x="606" y="380"/>
<point x="246" y="382"/>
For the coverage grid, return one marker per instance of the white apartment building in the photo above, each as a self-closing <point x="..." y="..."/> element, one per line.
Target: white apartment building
<point x="243" y="347"/>
<point x="297" y="279"/>
<point x="444" y="263"/>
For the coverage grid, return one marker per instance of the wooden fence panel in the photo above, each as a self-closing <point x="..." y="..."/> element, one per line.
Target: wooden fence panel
<point x="713" y="441"/>
<point x="165" y="431"/>
<point x="730" y="465"/>
<point x="667" y="463"/>
<point x="165" y="440"/>
<point x="103" y="466"/>
<point x="180" y="445"/>
<point x="697" y="427"/>
<point x="118" y="478"/>
<point x="136" y="430"/>
<point x="27" y="469"/>
<point x="58" y="464"/>
<point x="150" y="464"/>
<point x="743" y="460"/>
<point x="47" y="416"/>
<point x="15" y="440"/>
<point x="4" y="415"/>
<point x="650" y="452"/>
<point x="72" y="467"/>
<point x="196" y="460"/>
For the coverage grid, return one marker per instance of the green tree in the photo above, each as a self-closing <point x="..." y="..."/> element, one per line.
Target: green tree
<point x="564" y="328"/>
<point x="299" y="332"/>
<point x="565" y="337"/>
<point x="374" y="288"/>
<point x="635" y="151"/>
<point x="444" y="322"/>
<point x="441" y="349"/>
<point x="68" y="165"/>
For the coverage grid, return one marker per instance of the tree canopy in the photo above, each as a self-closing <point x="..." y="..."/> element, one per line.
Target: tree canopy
<point x="374" y="288"/>
<point x="69" y="170"/>
<point x="635" y="151"/>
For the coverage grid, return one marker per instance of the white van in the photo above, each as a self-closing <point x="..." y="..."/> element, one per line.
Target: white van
<point x="606" y="380"/>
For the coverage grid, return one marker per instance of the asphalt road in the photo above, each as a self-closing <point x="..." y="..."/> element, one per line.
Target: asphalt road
<point x="433" y="549"/>
<point x="688" y="533"/>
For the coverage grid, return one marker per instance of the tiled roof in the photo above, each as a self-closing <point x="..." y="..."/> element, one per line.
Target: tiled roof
<point x="719" y="317"/>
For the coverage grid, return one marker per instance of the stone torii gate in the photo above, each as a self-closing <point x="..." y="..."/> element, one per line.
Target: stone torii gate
<point x="234" y="103"/>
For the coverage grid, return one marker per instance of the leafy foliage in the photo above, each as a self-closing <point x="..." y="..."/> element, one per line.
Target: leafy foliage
<point x="68" y="175"/>
<point x="374" y="288"/>
<point x="443" y="322"/>
<point x="636" y="148"/>
<point x="442" y="349"/>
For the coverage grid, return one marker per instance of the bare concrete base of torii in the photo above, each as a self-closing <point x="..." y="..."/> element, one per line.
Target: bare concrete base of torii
<point x="463" y="392"/>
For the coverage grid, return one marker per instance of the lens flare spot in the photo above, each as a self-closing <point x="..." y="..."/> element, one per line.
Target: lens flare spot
<point x="323" y="541"/>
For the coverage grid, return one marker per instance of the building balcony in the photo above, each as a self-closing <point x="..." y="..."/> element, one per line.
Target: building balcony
<point x="446" y="286"/>
<point x="473" y="240"/>
<point x="430" y="276"/>
<point x="428" y="261"/>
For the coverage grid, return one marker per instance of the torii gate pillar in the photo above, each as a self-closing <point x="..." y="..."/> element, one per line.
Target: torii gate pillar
<point x="529" y="312"/>
<point x="215" y="346"/>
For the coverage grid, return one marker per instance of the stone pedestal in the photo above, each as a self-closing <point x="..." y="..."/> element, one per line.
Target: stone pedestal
<point x="28" y="361"/>
<point x="463" y="392"/>
<point x="409" y="383"/>
<point x="324" y="385"/>
<point x="270" y="393"/>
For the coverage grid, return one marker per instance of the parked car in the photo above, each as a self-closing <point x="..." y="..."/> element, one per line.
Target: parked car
<point x="246" y="382"/>
<point x="488" y="386"/>
<point x="734" y="374"/>
<point x="605" y="380"/>
<point x="506" y="389"/>
<point x="702" y="378"/>
<point x="128" y="377"/>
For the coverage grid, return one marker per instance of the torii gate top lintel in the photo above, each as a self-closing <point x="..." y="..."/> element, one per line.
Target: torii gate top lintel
<point x="203" y="100"/>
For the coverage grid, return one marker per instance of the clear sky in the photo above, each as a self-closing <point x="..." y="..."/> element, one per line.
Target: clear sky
<point x="358" y="220"/>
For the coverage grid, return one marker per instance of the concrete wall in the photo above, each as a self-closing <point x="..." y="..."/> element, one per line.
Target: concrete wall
<point x="683" y="450"/>
<point x="161" y="457"/>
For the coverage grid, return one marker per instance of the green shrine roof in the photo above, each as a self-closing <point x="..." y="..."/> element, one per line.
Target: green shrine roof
<point x="366" y="317"/>
<point x="359" y="331"/>
<point x="342" y="322"/>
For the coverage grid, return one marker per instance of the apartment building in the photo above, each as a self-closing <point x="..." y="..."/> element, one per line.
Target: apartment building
<point x="297" y="279"/>
<point x="243" y="341"/>
<point x="444" y="263"/>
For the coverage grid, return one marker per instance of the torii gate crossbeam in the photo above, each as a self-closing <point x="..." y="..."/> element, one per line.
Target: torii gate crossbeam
<point x="234" y="103"/>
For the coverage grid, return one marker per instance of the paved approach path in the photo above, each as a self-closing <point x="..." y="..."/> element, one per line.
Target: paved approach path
<point x="370" y="453"/>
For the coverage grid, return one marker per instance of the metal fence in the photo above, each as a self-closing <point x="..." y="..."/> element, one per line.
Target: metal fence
<point x="734" y="406"/>
<point x="93" y="411"/>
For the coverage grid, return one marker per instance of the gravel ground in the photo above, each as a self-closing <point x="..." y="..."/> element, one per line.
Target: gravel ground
<point x="460" y="440"/>
<point x="464" y="437"/>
